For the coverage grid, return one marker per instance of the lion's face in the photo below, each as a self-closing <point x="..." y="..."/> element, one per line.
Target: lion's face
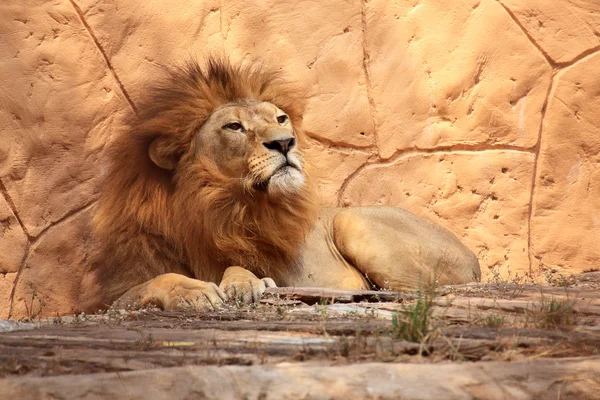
<point x="255" y="142"/>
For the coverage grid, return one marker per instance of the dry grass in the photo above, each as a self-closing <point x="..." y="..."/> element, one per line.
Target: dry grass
<point x="31" y="302"/>
<point x="413" y="324"/>
<point x="492" y="321"/>
<point x="553" y="313"/>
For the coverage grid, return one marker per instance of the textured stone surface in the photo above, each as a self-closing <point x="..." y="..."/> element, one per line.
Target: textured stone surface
<point x="445" y="79"/>
<point x="565" y="379"/>
<point x="566" y="203"/>
<point x="12" y="238"/>
<point x="52" y="277"/>
<point x="563" y="29"/>
<point x="59" y="103"/>
<point x="330" y="167"/>
<point x="482" y="197"/>
<point x="61" y="99"/>
<point x="7" y="282"/>
<point x="395" y="84"/>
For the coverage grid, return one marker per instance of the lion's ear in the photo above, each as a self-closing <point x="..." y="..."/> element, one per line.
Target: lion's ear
<point x="162" y="154"/>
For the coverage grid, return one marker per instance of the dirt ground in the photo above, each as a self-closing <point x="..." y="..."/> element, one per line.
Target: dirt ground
<point x="467" y="325"/>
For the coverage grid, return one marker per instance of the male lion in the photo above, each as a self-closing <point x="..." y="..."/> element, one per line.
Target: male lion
<point x="209" y="185"/>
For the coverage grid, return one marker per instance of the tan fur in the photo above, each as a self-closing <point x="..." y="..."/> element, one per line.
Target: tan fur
<point x="194" y="220"/>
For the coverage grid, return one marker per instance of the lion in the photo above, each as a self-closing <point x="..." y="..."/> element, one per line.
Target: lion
<point x="208" y="198"/>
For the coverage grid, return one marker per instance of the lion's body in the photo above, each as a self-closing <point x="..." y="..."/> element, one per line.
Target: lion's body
<point x="386" y="247"/>
<point x="208" y="176"/>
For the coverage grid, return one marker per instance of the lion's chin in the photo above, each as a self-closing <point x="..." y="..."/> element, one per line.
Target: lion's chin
<point x="285" y="181"/>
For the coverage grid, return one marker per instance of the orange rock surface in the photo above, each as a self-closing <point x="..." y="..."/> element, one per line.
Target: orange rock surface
<point x="481" y="115"/>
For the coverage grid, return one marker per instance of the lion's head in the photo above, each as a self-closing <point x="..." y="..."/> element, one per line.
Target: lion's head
<point x="209" y="174"/>
<point x="248" y="139"/>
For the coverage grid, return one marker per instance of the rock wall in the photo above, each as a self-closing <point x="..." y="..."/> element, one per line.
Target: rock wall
<point x="481" y="115"/>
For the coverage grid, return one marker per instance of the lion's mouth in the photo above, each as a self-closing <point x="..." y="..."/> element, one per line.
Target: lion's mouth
<point x="283" y="169"/>
<point x="262" y="185"/>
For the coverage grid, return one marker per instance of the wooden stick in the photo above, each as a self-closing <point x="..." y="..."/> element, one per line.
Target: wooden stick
<point x="313" y="295"/>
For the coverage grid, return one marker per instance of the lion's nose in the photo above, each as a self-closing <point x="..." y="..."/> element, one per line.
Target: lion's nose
<point x="282" y="146"/>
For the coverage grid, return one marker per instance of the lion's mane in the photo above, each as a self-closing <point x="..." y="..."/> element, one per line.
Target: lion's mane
<point x="194" y="219"/>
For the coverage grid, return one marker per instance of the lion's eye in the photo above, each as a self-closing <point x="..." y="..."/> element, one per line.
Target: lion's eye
<point x="282" y="119"/>
<point x="235" y="126"/>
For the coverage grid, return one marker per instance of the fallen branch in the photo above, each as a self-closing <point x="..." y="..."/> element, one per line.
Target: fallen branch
<point x="314" y="295"/>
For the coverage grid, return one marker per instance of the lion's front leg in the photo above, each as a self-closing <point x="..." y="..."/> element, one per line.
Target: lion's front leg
<point x="173" y="291"/>
<point x="241" y="284"/>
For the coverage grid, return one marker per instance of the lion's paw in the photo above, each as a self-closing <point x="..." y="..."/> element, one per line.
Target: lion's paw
<point x="242" y="285"/>
<point x="174" y="292"/>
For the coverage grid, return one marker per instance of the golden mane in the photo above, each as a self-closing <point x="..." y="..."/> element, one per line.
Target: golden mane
<point x="194" y="219"/>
